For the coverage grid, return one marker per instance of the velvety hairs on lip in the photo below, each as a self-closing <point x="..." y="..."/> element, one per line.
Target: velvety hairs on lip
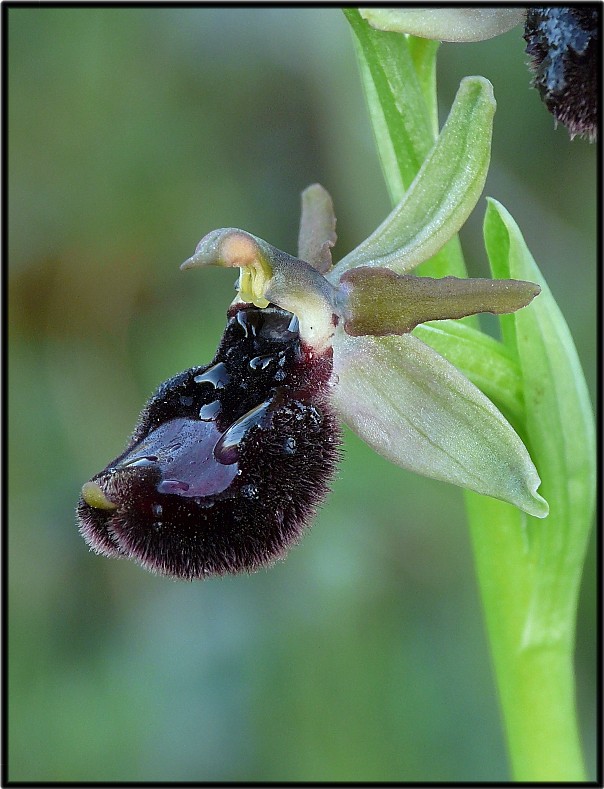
<point x="227" y="463"/>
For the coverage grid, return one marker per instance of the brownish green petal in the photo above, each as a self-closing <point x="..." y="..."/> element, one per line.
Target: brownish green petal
<point x="317" y="228"/>
<point x="379" y="302"/>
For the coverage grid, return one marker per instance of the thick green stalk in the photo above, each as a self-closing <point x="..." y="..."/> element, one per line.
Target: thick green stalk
<point x="528" y="570"/>
<point x="535" y="680"/>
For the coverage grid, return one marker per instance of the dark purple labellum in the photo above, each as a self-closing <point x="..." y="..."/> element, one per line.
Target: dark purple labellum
<point x="565" y="57"/>
<point x="227" y="463"/>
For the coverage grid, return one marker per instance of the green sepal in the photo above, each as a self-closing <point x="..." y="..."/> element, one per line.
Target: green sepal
<point x="399" y="78"/>
<point x="414" y="408"/>
<point x="443" y="193"/>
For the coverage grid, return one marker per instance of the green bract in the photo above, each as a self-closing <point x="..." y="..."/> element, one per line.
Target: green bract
<point x="558" y="428"/>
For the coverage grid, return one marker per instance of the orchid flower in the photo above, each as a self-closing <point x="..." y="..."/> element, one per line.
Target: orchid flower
<point x="229" y="461"/>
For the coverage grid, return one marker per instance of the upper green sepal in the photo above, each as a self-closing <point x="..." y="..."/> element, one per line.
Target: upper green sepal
<point x="443" y="193"/>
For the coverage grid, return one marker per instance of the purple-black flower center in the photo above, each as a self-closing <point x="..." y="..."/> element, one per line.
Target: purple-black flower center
<point x="227" y="461"/>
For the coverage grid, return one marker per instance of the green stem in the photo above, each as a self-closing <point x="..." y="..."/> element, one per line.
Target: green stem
<point x="535" y="679"/>
<point x="528" y="570"/>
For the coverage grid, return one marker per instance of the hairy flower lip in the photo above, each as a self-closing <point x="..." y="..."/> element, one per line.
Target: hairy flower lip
<point x="562" y="43"/>
<point x="229" y="460"/>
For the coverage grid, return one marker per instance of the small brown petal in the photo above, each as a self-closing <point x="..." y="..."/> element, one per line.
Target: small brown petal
<point x="380" y="302"/>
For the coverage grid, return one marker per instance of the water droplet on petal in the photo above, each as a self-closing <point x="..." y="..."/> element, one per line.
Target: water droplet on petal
<point x="227" y="449"/>
<point x="172" y="486"/>
<point x="248" y="320"/>
<point x="249" y="491"/>
<point x="210" y="411"/>
<point x="289" y="445"/>
<point x="217" y="375"/>
<point x="261" y="362"/>
<point x="141" y="460"/>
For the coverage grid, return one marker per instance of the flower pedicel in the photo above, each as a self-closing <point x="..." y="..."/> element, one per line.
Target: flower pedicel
<point x="228" y="461"/>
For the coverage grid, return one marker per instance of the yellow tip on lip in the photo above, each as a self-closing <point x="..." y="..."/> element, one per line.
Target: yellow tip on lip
<point x="94" y="497"/>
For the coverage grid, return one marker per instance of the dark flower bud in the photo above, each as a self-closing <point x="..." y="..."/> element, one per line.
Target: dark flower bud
<point x="564" y="47"/>
<point x="228" y="462"/>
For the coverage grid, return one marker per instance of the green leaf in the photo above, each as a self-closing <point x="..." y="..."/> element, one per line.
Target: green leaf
<point x="416" y="409"/>
<point x="559" y="429"/>
<point x="443" y="193"/>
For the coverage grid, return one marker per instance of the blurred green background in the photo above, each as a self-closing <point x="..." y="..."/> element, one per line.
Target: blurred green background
<point x="132" y="133"/>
